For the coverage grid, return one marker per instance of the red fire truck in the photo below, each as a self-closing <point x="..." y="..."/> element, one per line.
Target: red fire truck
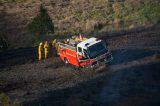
<point x="88" y="53"/>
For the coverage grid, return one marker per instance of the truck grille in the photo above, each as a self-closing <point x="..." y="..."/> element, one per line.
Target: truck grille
<point x="101" y="60"/>
<point x="109" y="56"/>
<point x="94" y="63"/>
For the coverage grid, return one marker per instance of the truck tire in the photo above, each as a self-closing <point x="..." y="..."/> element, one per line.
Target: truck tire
<point x="66" y="61"/>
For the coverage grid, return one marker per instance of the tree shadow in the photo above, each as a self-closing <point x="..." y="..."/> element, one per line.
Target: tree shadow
<point x="121" y="33"/>
<point x="127" y="55"/>
<point x="18" y="56"/>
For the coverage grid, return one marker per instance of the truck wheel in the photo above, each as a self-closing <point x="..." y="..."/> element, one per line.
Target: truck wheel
<point x="66" y="61"/>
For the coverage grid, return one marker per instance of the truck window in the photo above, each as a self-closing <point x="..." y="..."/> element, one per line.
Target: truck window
<point x="97" y="49"/>
<point x="85" y="54"/>
<point x="79" y="49"/>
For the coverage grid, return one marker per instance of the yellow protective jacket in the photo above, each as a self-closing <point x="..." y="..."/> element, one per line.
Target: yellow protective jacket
<point x="46" y="49"/>
<point x="65" y="41"/>
<point x="54" y="43"/>
<point x="40" y="52"/>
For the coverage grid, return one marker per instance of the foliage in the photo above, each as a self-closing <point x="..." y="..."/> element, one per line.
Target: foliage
<point x="14" y="1"/>
<point x="41" y="25"/>
<point x="122" y="14"/>
<point x="140" y="13"/>
<point x="5" y="100"/>
<point x="3" y="41"/>
<point x="150" y="13"/>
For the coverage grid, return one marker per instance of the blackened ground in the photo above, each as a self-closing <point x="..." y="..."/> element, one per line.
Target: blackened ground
<point x="131" y="79"/>
<point x="136" y="85"/>
<point x="18" y="57"/>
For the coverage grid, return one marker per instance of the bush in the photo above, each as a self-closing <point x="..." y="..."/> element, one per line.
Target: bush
<point x="5" y="100"/>
<point x="14" y="1"/>
<point x="150" y="13"/>
<point x="136" y="13"/>
<point x="3" y="42"/>
<point x="41" y="25"/>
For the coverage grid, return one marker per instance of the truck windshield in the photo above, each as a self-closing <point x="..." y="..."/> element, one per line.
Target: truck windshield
<point x="97" y="49"/>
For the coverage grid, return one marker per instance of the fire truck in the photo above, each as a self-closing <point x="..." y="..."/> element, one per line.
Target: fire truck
<point x="88" y="53"/>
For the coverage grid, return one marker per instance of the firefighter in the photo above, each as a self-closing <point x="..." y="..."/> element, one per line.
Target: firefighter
<point x="40" y="51"/>
<point x="66" y="41"/>
<point x="54" y="47"/>
<point x="46" y="49"/>
<point x="80" y="37"/>
<point x="57" y="47"/>
<point x="77" y="39"/>
<point x="84" y="38"/>
<point x="54" y="43"/>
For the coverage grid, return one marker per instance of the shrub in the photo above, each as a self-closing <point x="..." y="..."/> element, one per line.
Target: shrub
<point x="14" y="1"/>
<point x="3" y="41"/>
<point x="5" y="100"/>
<point x="137" y="13"/>
<point x="150" y="13"/>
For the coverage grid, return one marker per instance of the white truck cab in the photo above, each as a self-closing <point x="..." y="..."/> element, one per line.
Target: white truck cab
<point x="93" y="48"/>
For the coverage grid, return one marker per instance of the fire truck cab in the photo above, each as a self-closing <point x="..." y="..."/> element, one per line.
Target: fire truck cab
<point x="90" y="52"/>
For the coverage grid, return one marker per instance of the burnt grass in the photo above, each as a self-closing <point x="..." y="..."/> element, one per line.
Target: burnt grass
<point x="123" y="88"/>
<point x="28" y="81"/>
<point x="131" y="79"/>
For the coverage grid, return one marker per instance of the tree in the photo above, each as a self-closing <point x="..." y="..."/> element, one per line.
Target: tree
<point x="40" y="25"/>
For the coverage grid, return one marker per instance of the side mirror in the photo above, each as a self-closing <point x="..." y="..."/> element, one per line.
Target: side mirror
<point x="79" y="55"/>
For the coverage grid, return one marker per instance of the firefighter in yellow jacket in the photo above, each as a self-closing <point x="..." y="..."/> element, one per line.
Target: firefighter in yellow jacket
<point x="53" y="49"/>
<point x="40" y="51"/>
<point x="46" y="49"/>
<point x="54" y="43"/>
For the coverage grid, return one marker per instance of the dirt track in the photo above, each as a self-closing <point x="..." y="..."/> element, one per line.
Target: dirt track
<point x="131" y="79"/>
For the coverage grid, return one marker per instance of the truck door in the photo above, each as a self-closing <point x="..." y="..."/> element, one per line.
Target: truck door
<point x="79" y="53"/>
<point x="83" y="57"/>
